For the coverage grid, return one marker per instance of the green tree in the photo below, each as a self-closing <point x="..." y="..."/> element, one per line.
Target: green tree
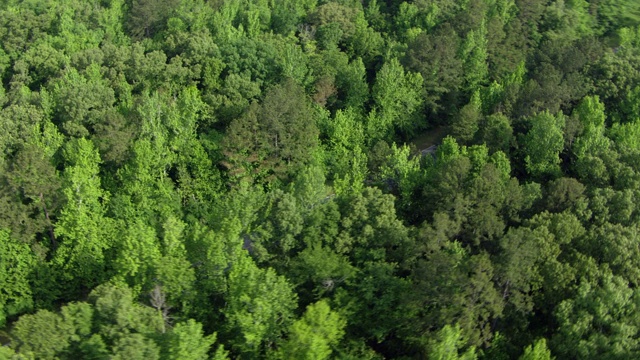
<point x="259" y="307"/>
<point x="435" y="57"/>
<point x="474" y="58"/>
<point x="497" y="133"/>
<point x="449" y="344"/>
<point x="147" y="17"/>
<point x="42" y="335"/>
<point x="16" y="263"/>
<point x="314" y="335"/>
<point x="397" y="95"/>
<point x="404" y="170"/>
<point x="135" y="347"/>
<point x="82" y="227"/>
<point x="537" y="351"/>
<point x="466" y="124"/>
<point x="273" y="139"/>
<point x="600" y="320"/>
<point x="189" y="342"/>
<point x="543" y="143"/>
<point x="82" y="100"/>
<point x="591" y="115"/>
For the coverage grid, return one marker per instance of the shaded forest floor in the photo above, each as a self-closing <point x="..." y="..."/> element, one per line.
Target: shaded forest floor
<point x="428" y="138"/>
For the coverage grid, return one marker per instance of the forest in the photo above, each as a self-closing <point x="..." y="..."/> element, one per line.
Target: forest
<point x="315" y="179"/>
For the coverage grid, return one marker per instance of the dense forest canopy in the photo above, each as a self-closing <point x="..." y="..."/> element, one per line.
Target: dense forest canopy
<point x="310" y="179"/>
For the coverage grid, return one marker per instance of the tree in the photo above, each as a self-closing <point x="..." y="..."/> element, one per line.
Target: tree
<point x="188" y="342"/>
<point x="497" y="133"/>
<point x="600" y="320"/>
<point x="435" y="57"/>
<point x="466" y="123"/>
<point x="147" y="17"/>
<point x="16" y="262"/>
<point x="403" y="169"/>
<point x="543" y="143"/>
<point x="474" y="58"/>
<point x="82" y="227"/>
<point x="314" y="335"/>
<point x="82" y="100"/>
<point x="591" y="115"/>
<point x="135" y="347"/>
<point x="537" y="351"/>
<point x="42" y="334"/>
<point x="448" y="344"/>
<point x="274" y="139"/>
<point x="259" y="307"/>
<point x="397" y="96"/>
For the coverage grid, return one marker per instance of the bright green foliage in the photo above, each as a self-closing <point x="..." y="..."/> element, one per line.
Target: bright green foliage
<point x="16" y="262"/>
<point x="543" y="144"/>
<point x="314" y="335"/>
<point x="626" y="136"/>
<point x="42" y="334"/>
<point x="404" y="169"/>
<point x="346" y="157"/>
<point x="474" y="55"/>
<point x="135" y="347"/>
<point x="590" y="113"/>
<point x="351" y="81"/>
<point x="537" y="351"/>
<point x="82" y="227"/>
<point x="188" y="342"/>
<point x="366" y="43"/>
<point x="449" y="345"/>
<point x="602" y="301"/>
<point x="345" y="130"/>
<point x="309" y="187"/>
<point x="177" y="172"/>
<point x="174" y="272"/>
<point x="137" y="253"/>
<point x="259" y="306"/>
<point x="397" y="95"/>
<point x="406" y="20"/>
<point x="351" y="170"/>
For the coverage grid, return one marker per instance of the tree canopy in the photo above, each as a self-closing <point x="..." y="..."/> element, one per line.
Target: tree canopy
<point x="335" y="179"/>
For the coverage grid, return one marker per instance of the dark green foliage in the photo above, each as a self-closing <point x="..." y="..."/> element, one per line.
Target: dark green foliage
<point x="147" y="17"/>
<point x="273" y="139"/>
<point x="435" y="58"/>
